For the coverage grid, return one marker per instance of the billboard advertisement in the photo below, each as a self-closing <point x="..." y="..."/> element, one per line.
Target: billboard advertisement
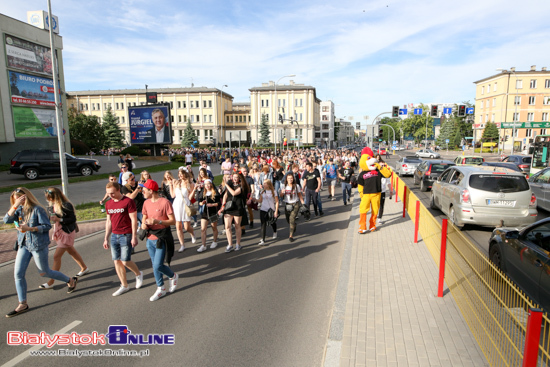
<point x="150" y="124"/>
<point x="28" y="56"/>
<point x="34" y="122"/>
<point x="32" y="90"/>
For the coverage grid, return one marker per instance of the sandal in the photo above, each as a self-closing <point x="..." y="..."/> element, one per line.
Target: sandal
<point x="15" y="312"/>
<point x="71" y="289"/>
<point x="45" y="286"/>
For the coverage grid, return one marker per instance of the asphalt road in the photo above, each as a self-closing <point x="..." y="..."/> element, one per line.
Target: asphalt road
<point x="261" y="306"/>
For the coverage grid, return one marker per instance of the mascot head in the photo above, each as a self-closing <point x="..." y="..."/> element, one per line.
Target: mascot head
<point x="367" y="161"/>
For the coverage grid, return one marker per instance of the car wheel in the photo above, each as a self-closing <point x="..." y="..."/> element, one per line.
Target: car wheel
<point x="496" y="257"/>
<point x="414" y="179"/>
<point x="86" y="171"/>
<point x="432" y="157"/>
<point x="423" y="186"/>
<point x="31" y="174"/>
<point x="432" y="201"/>
<point x="452" y="217"/>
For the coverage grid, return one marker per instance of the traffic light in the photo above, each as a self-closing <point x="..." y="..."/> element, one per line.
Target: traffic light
<point x="461" y="110"/>
<point x="395" y="111"/>
<point x="280" y="118"/>
<point x="433" y="111"/>
<point x="380" y="134"/>
<point x="291" y="120"/>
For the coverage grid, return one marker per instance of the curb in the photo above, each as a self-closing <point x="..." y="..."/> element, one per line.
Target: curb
<point x="335" y="335"/>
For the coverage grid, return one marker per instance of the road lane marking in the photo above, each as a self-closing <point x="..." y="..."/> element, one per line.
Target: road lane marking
<point x="26" y="353"/>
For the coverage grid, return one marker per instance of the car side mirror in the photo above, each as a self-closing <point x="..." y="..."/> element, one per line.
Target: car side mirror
<point x="512" y="235"/>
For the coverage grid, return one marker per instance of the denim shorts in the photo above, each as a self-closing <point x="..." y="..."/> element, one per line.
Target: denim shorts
<point x="121" y="246"/>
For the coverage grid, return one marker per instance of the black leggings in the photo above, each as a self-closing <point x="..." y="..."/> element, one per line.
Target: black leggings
<point x="382" y="201"/>
<point x="263" y="220"/>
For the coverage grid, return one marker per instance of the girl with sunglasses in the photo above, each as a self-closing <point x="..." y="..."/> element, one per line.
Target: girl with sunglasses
<point x="33" y="225"/>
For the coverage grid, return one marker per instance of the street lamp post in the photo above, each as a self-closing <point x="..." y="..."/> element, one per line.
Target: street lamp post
<point x="515" y="109"/>
<point x="223" y="121"/>
<point x="277" y="111"/>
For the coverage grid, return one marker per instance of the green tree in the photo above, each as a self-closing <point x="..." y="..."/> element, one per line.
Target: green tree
<point x="490" y="133"/>
<point x="189" y="136"/>
<point x="415" y="125"/>
<point x="86" y="129"/>
<point x="114" y="137"/>
<point x="447" y="131"/>
<point x="387" y="134"/>
<point x="264" y="132"/>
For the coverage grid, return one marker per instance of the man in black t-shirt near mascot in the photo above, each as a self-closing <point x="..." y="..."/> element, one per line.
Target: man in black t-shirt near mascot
<point x="345" y="174"/>
<point x="312" y="183"/>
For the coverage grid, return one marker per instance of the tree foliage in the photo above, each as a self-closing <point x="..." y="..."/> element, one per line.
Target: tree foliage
<point x="447" y="131"/>
<point x="490" y="133"/>
<point x="86" y="129"/>
<point x="264" y="132"/>
<point x="189" y="136"/>
<point x="114" y="136"/>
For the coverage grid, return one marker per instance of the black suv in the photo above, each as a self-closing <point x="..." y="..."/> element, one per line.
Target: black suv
<point x="33" y="163"/>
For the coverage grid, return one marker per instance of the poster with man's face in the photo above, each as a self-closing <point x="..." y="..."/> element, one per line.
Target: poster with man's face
<point x="150" y="124"/>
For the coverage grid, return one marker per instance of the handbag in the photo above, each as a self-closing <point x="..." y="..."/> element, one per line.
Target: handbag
<point x="289" y="207"/>
<point x="190" y="210"/>
<point x="230" y="205"/>
<point x="16" y="246"/>
<point x="214" y="218"/>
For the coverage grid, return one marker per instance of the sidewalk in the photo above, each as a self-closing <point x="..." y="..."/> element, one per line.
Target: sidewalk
<point x="386" y="312"/>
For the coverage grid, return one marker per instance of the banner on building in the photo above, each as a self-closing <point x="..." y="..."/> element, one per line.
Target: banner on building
<point x="28" y="56"/>
<point x="34" y="122"/>
<point x="31" y="90"/>
<point x="150" y="124"/>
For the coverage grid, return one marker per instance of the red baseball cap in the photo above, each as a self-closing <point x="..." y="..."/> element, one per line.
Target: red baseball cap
<point x="151" y="185"/>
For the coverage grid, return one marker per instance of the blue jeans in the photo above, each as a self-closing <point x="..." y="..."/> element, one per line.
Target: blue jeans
<point x="346" y="189"/>
<point x="22" y="261"/>
<point x="319" y="203"/>
<point x="157" y="258"/>
<point x="139" y="218"/>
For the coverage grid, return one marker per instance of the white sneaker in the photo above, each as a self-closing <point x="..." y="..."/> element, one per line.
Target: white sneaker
<point x="121" y="290"/>
<point x="139" y="280"/>
<point x="181" y="248"/>
<point x="195" y="225"/>
<point x="83" y="272"/>
<point x="161" y="292"/>
<point x="238" y="247"/>
<point x="274" y="234"/>
<point x="214" y="245"/>
<point x="173" y="283"/>
<point x="223" y="231"/>
<point x="262" y="243"/>
<point x="229" y="248"/>
<point x="193" y="239"/>
<point x="202" y="248"/>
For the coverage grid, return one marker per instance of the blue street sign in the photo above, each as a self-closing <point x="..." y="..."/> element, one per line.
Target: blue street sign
<point x="447" y="110"/>
<point x="418" y="111"/>
<point x="469" y="111"/>
<point x="447" y="141"/>
<point x="402" y="111"/>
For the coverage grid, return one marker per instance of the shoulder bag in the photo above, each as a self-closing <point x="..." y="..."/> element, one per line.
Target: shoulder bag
<point x="190" y="210"/>
<point x="230" y="205"/>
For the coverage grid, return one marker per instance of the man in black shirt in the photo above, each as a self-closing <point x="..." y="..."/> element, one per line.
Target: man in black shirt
<point x="312" y="184"/>
<point x="345" y="174"/>
<point x="133" y="191"/>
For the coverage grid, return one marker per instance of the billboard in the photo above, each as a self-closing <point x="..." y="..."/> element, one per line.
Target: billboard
<point x="28" y="56"/>
<point x="32" y="90"/>
<point x="150" y="124"/>
<point x="34" y="122"/>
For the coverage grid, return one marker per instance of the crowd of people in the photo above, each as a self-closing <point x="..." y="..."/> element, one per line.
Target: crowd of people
<point x="255" y="185"/>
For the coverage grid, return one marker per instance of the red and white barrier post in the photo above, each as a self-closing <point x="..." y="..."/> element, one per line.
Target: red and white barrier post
<point x="417" y="221"/>
<point x="404" y="200"/>
<point x="396" y="188"/>
<point x="532" y="338"/>
<point x="442" y="258"/>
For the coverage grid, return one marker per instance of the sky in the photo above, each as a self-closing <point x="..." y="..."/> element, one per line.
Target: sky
<point x="365" y="56"/>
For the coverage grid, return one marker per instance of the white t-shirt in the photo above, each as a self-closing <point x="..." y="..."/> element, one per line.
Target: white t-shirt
<point x="189" y="158"/>
<point x="291" y="196"/>
<point x="267" y="201"/>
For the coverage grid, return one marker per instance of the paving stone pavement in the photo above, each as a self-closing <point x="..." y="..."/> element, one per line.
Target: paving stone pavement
<point x="393" y="316"/>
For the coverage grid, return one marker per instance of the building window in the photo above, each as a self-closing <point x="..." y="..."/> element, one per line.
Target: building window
<point x="493" y="117"/>
<point x="248" y="118"/>
<point x="179" y="118"/>
<point x="325" y="126"/>
<point x="192" y="117"/>
<point x="301" y="119"/>
<point x="488" y="88"/>
<point x="531" y="100"/>
<point x="530" y="116"/>
<point x="204" y="118"/>
<point x="487" y="118"/>
<point x="482" y="90"/>
<point x="542" y="132"/>
<point x="184" y="104"/>
<point x="517" y="100"/>
<point x="486" y="103"/>
<point x="227" y="118"/>
<point x="93" y="107"/>
<point x="519" y="84"/>
<point x="116" y="105"/>
<point x="325" y="109"/>
<point x="494" y="102"/>
<point x="192" y="106"/>
<point x="172" y="105"/>
<point x="208" y="135"/>
<point x="546" y="100"/>
<point x="197" y="104"/>
<point x="184" y="118"/>
<point x="480" y="119"/>
<point x="198" y="118"/>
<point x="204" y="104"/>
<point x="325" y="118"/>
<point x="533" y="84"/>
<point x="516" y="116"/>
<point x="209" y="118"/>
<point x="179" y="104"/>
<point x="86" y="107"/>
<point x="122" y="120"/>
<point x="547" y="83"/>
<point x="528" y="133"/>
<point x="262" y="103"/>
<point x="198" y="133"/>
<point x="495" y="87"/>
<point x="210" y="104"/>
<point x="544" y="118"/>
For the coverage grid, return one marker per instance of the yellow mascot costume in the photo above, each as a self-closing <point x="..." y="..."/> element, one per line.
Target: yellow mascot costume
<point x="369" y="185"/>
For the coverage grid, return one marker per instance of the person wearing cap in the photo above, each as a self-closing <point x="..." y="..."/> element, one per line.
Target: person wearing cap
<point x="133" y="191"/>
<point x="158" y="216"/>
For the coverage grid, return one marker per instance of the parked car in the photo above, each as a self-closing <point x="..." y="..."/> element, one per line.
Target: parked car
<point x="540" y="185"/>
<point x="523" y="256"/>
<point x="400" y="147"/>
<point x="427" y="153"/>
<point x="35" y="162"/>
<point x="469" y="160"/>
<point x="407" y="165"/>
<point x="522" y="161"/>
<point x="428" y="171"/>
<point x="486" y="196"/>
<point x="382" y="151"/>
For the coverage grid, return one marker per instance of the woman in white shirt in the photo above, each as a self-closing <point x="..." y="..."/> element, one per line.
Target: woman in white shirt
<point x="292" y="198"/>
<point x="268" y="201"/>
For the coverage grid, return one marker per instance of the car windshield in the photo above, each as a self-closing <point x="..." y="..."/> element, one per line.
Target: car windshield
<point x="499" y="183"/>
<point x="412" y="160"/>
<point x="439" y="167"/>
<point x="69" y="156"/>
<point x="473" y="160"/>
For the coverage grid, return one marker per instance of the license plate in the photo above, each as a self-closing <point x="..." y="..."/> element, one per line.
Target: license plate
<point x="500" y="202"/>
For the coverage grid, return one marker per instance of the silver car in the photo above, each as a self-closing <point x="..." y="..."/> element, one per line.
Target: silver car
<point x="540" y="185"/>
<point x="486" y="196"/>
<point x="407" y="165"/>
<point x="427" y="153"/>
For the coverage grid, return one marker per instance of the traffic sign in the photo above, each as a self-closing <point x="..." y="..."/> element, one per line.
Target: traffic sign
<point x="402" y="112"/>
<point x="469" y="111"/>
<point x="418" y="111"/>
<point x="447" y="110"/>
<point x="447" y="141"/>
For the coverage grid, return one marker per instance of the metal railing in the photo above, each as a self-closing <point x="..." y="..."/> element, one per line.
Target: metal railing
<point x="494" y="307"/>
